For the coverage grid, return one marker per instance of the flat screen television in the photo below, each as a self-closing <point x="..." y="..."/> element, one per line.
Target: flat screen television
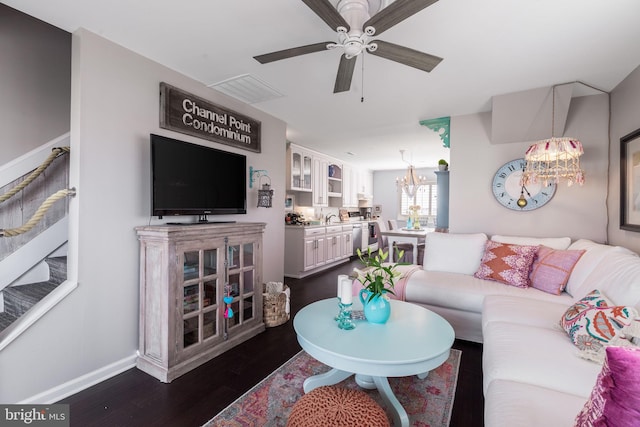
<point x="191" y="179"/>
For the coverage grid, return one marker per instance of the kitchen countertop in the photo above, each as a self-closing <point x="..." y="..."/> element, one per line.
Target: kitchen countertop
<point x="325" y="225"/>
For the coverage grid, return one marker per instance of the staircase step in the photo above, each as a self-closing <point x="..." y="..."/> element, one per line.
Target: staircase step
<point x="57" y="269"/>
<point x="6" y="319"/>
<point x="19" y="299"/>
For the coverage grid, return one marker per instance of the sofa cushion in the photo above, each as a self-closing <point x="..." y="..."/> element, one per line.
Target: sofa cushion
<point x="616" y="275"/>
<point x="525" y="311"/>
<point x="591" y="259"/>
<point x="454" y="253"/>
<point x="538" y="356"/>
<point x="552" y="267"/>
<point x="551" y="242"/>
<point x="514" y="404"/>
<point x="615" y="399"/>
<point x="507" y="263"/>
<point x="464" y="292"/>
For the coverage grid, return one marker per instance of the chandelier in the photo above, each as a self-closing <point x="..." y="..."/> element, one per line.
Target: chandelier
<point x="411" y="181"/>
<point x="550" y="160"/>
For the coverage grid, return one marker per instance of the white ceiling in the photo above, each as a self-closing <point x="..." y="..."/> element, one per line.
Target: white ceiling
<point x="490" y="47"/>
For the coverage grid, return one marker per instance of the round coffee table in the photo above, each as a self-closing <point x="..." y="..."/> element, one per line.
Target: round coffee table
<point x="412" y="342"/>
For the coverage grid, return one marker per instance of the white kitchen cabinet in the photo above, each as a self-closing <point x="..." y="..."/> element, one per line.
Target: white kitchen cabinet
<point x="334" y="241"/>
<point x="314" y="251"/>
<point x="299" y="169"/>
<point x="349" y="187"/>
<point x="319" y="183"/>
<point x="308" y="250"/>
<point x="347" y="241"/>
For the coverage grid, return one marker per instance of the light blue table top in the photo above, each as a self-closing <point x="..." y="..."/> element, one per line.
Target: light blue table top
<point x="414" y="340"/>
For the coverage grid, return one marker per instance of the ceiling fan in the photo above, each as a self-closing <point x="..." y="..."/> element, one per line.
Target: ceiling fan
<point x="355" y="28"/>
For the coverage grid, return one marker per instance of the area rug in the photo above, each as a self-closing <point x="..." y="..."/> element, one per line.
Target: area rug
<point x="428" y="402"/>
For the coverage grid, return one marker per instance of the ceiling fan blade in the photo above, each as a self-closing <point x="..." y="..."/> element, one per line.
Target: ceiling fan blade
<point x="290" y="53"/>
<point x="345" y="74"/>
<point x="405" y="55"/>
<point x="329" y="14"/>
<point x="396" y="12"/>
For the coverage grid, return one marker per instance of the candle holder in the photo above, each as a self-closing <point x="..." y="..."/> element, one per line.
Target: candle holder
<point x="344" y="317"/>
<point x="339" y="310"/>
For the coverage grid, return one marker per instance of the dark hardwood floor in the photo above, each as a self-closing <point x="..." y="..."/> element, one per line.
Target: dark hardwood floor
<point x="134" y="398"/>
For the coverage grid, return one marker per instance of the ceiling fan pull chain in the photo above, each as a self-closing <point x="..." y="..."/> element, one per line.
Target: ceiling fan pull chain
<point x="362" y="77"/>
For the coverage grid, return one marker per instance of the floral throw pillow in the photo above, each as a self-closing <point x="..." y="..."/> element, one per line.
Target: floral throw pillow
<point x="507" y="263"/>
<point x="593" y="322"/>
<point x="615" y="399"/>
<point x="551" y="269"/>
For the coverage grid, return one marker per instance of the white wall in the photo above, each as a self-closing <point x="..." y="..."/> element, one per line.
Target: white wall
<point x="34" y="105"/>
<point x="625" y="118"/>
<point x="114" y="108"/>
<point x="577" y="212"/>
<point x="386" y="190"/>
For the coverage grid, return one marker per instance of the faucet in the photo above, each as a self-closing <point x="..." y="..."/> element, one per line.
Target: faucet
<point x="327" y="219"/>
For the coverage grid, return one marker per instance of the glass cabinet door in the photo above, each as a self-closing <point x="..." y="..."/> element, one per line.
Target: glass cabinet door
<point x="242" y="286"/>
<point x="306" y="172"/>
<point x="200" y="296"/>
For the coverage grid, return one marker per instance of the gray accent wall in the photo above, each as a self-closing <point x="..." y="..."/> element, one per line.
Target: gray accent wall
<point x="35" y="83"/>
<point x="93" y="333"/>
<point x="625" y="118"/>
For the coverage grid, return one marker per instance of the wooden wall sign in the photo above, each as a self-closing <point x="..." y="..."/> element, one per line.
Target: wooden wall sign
<point x="189" y="114"/>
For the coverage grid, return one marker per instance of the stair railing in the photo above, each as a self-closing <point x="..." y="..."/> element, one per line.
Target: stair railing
<point x="46" y="205"/>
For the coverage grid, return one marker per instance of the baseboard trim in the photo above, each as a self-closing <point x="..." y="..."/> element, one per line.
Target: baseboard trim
<point x="83" y="382"/>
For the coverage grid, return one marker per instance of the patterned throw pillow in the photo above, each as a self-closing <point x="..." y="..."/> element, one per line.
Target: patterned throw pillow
<point x="507" y="263"/>
<point x="615" y="399"/>
<point x="552" y="268"/>
<point x="594" y="321"/>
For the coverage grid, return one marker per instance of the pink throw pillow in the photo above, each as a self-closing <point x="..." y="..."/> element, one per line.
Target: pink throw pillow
<point x="507" y="263"/>
<point x="552" y="268"/>
<point x="615" y="399"/>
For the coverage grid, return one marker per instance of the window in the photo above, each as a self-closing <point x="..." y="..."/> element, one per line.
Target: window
<point x="426" y="197"/>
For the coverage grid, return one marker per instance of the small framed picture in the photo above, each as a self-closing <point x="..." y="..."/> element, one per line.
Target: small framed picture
<point x="289" y="201"/>
<point x="630" y="181"/>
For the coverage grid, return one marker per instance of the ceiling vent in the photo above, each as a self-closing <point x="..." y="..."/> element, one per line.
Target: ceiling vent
<point x="247" y="88"/>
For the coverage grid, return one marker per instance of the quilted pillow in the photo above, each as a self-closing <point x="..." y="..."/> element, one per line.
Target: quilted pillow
<point x="615" y="399"/>
<point x="507" y="263"/>
<point x="594" y="321"/>
<point x="551" y="269"/>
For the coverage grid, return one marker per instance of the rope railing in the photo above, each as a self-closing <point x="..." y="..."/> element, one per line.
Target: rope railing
<point x="44" y="207"/>
<point x="55" y="152"/>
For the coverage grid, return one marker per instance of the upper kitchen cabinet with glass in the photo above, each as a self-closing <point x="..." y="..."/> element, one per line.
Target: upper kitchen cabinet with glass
<point x="299" y="168"/>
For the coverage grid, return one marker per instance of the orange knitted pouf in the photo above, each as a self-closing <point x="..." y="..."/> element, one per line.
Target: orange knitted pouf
<point x="337" y="407"/>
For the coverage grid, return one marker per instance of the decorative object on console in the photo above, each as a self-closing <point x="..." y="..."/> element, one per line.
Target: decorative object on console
<point x="411" y="181"/>
<point x="509" y="189"/>
<point x="509" y="264"/>
<point x="443" y="165"/>
<point x="594" y="323"/>
<point x="553" y="159"/>
<point x="615" y="399"/>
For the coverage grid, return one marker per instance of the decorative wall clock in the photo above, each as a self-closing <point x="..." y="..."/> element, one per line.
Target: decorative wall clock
<point x="511" y="194"/>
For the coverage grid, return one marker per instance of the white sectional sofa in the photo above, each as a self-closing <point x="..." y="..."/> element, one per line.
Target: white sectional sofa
<point x="533" y="374"/>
